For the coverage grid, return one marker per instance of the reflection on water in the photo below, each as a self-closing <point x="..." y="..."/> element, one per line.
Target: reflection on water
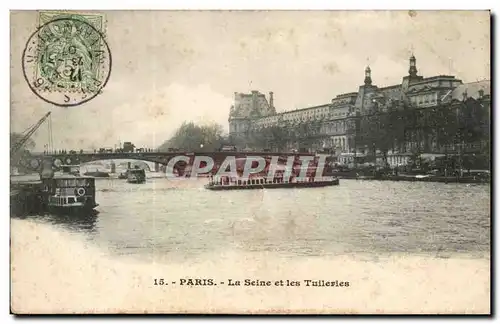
<point x="178" y="219"/>
<point x="82" y="223"/>
<point x="85" y="223"/>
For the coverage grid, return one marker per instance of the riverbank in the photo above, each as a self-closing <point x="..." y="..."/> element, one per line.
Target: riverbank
<point x="417" y="178"/>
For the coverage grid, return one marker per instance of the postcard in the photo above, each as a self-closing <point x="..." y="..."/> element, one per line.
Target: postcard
<point x="250" y="162"/>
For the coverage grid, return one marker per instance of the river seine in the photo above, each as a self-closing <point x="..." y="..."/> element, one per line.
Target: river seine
<point x="395" y="242"/>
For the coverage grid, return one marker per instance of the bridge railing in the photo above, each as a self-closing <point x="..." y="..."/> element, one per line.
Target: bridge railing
<point x="152" y="152"/>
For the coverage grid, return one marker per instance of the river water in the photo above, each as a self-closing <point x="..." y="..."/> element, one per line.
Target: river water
<point x="381" y="230"/>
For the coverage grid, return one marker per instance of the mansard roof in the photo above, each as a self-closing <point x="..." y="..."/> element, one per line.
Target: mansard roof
<point x="472" y="89"/>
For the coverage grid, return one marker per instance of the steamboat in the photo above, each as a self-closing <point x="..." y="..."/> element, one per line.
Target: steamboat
<point x="295" y="176"/>
<point x="69" y="194"/>
<point x="66" y="193"/>
<point x="234" y="183"/>
<point x="136" y="176"/>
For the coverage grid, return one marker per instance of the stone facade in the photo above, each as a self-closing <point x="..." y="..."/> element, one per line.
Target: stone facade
<point x="337" y="119"/>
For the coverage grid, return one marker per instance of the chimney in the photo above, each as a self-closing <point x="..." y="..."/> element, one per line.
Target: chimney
<point x="271" y="99"/>
<point x="481" y="93"/>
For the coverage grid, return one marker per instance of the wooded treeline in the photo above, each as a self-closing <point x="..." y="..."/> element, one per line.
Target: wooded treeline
<point x="200" y="138"/>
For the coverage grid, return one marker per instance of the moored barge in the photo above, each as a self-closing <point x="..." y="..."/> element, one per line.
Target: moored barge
<point x="69" y="194"/>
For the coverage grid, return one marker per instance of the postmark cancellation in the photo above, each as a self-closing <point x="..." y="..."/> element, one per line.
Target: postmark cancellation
<point x="67" y="60"/>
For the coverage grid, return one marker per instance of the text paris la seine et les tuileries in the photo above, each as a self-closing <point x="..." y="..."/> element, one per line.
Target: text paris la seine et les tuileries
<point x="253" y="283"/>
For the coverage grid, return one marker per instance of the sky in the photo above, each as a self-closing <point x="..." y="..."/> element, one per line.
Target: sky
<point x="175" y="66"/>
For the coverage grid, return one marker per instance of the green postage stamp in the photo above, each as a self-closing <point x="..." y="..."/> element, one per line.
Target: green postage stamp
<point x="67" y="60"/>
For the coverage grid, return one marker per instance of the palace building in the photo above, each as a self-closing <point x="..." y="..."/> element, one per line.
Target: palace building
<point x="335" y="121"/>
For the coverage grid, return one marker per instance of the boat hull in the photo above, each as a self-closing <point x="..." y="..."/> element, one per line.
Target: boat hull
<point x="136" y="181"/>
<point x="290" y="185"/>
<point x="72" y="210"/>
<point x="97" y="174"/>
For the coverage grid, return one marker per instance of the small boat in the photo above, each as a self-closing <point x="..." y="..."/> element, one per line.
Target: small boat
<point x="136" y="176"/>
<point x="123" y="175"/>
<point x="227" y="183"/>
<point x="69" y="194"/>
<point x="97" y="174"/>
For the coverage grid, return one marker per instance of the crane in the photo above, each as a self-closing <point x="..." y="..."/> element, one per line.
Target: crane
<point x="27" y="134"/>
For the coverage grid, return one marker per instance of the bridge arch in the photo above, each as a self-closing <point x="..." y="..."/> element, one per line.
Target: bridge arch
<point x="35" y="162"/>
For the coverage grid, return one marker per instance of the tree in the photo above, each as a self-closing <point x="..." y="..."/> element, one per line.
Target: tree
<point x="351" y="132"/>
<point x="397" y="120"/>
<point x="473" y="121"/>
<point x="376" y="134"/>
<point x="290" y="132"/>
<point x="237" y="141"/>
<point x="274" y="137"/>
<point x="279" y="138"/>
<point x="473" y="133"/>
<point x="191" y="137"/>
<point x="447" y="126"/>
<point x="307" y="133"/>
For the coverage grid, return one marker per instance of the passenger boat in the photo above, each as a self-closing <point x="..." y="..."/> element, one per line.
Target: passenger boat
<point x="136" y="176"/>
<point x="69" y="194"/>
<point x="233" y="183"/>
